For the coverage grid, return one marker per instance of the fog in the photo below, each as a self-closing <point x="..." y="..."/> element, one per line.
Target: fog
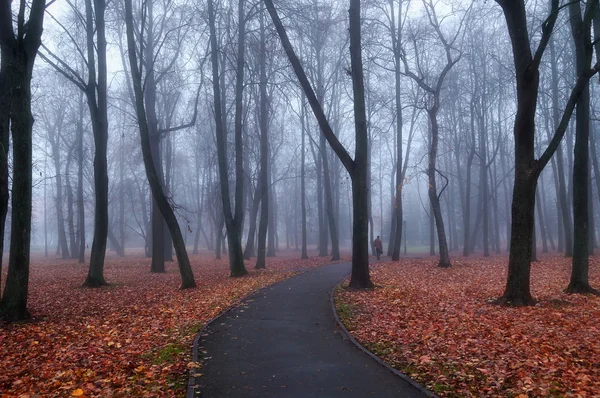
<point x="240" y="162"/>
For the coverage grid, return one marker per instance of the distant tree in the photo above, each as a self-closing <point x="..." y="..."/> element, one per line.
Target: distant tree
<point x="434" y="90"/>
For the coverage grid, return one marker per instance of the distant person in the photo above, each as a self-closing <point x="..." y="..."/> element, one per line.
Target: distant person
<point x="378" y="247"/>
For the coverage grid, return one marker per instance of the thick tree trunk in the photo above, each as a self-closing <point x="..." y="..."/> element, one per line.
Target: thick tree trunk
<point x="579" y="282"/>
<point x="13" y="306"/>
<point x="360" y="278"/>
<point x="21" y="53"/>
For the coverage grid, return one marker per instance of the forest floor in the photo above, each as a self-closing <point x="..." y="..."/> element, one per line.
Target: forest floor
<point x="132" y="338"/>
<point x="440" y="327"/>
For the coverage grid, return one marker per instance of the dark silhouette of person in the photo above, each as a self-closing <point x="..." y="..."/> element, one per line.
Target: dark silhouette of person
<point x="378" y="247"/>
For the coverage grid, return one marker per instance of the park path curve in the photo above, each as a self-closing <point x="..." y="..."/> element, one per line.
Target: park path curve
<point x="283" y="341"/>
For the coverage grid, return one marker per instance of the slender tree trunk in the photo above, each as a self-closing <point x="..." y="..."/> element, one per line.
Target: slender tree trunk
<point x="249" y="251"/>
<point x="303" y="181"/>
<point x="70" y="206"/>
<point x="272" y="214"/>
<point x="562" y="190"/>
<point x="335" y="243"/>
<point x="264" y="152"/>
<point x="80" y="202"/>
<point x="232" y="222"/>
<point x="433" y="194"/>
<point x="158" y="225"/>
<point x="97" y="100"/>
<point x="397" y="215"/>
<point x="187" y="276"/>
<point x="58" y="200"/>
<point x="542" y="222"/>
<point x="467" y="249"/>
<point x="121" y="195"/>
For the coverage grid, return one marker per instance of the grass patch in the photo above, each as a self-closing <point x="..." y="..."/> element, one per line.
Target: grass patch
<point x="168" y="354"/>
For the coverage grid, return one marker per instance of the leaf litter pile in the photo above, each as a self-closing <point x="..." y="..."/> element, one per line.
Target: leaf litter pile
<point x="132" y="338"/>
<point x="441" y="328"/>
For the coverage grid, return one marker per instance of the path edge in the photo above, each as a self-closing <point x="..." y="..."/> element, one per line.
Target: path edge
<point x="192" y="380"/>
<point x="380" y="361"/>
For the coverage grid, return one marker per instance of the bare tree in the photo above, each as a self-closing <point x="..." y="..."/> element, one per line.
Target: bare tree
<point x="187" y="276"/>
<point x="19" y="50"/>
<point x="233" y="221"/>
<point x="357" y="167"/>
<point x="527" y="168"/>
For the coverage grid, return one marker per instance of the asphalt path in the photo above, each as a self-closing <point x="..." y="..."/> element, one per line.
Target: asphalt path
<point x="285" y="342"/>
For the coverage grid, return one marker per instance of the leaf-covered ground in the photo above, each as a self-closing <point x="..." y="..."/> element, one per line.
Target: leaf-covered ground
<point x="132" y="338"/>
<point x="439" y="327"/>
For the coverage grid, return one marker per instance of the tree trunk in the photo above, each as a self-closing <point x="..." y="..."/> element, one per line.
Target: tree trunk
<point x="329" y="210"/>
<point x="562" y="187"/>
<point x="19" y="53"/>
<point x="158" y="225"/>
<point x="54" y="137"/>
<point x="360" y="278"/>
<point x="541" y="221"/>
<point x="579" y="282"/>
<point x="70" y="206"/>
<point x="433" y="194"/>
<point x="187" y="276"/>
<point x="80" y="203"/>
<point x="304" y="255"/>
<point x="356" y="167"/>
<point x="467" y="210"/>
<point x="249" y="251"/>
<point x="397" y="198"/>
<point x="232" y="222"/>
<point x="97" y="101"/>
<point x="264" y="153"/>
